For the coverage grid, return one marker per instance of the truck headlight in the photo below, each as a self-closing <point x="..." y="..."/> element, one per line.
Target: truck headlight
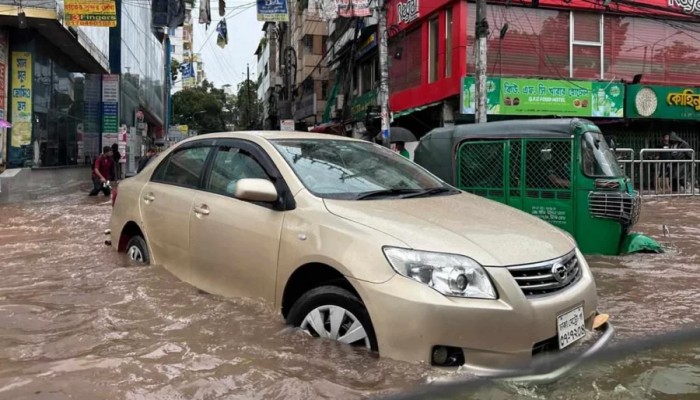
<point x="449" y="274"/>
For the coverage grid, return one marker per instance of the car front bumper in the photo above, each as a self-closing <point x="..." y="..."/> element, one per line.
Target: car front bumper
<point x="496" y="337"/>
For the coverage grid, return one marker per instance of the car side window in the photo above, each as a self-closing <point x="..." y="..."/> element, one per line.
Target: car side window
<point x="232" y="164"/>
<point x="183" y="167"/>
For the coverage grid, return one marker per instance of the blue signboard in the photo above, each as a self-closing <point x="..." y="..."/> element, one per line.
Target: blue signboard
<point x="273" y="10"/>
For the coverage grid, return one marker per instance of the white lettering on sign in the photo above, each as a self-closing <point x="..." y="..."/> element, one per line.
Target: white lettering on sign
<point x="550" y="214"/>
<point x="408" y="10"/>
<point x="688" y="6"/>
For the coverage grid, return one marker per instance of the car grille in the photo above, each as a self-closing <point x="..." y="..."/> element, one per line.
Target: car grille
<point x="547" y="277"/>
<point x="619" y="206"/>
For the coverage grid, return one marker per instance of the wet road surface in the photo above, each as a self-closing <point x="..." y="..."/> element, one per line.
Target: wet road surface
<point x="79" y="321"/>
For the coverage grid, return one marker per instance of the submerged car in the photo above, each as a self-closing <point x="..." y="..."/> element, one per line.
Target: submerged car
<point x="352" y="242"/>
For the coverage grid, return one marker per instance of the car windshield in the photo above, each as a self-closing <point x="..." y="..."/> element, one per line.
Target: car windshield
<point x="597" y="157"/>
<point x="342" y="169"/>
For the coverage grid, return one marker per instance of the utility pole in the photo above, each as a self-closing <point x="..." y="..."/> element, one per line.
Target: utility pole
<point x="247" y="95"/>
<point x="482" y="31"/>
<point x="384" y="73"/>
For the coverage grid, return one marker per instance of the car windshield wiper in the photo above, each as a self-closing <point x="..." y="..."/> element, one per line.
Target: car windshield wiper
<point x="430" y="192"/>
<point x="386" y="192"/>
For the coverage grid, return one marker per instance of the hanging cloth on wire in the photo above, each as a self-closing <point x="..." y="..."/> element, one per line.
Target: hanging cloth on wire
<point x="204" y="13"/>
<point x="222" y="8"/>
<point x="222" y="38"/>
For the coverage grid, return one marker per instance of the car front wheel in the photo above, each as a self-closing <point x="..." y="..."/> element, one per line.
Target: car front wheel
<point x="332" y="312"/>
<point x="137" y="251"/>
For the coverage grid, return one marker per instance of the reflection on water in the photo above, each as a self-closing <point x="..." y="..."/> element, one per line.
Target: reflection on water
<point x="78" y="321"/>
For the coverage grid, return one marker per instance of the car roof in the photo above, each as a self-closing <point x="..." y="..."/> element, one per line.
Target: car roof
<point x="512" y="129"/>
<point x="271" y="135"/>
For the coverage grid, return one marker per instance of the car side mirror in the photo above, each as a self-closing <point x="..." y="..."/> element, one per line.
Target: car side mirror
<point x="256" y="190"/>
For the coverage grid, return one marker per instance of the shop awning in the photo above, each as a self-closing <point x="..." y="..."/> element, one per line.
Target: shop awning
<point x="78" y="52"/>
<point x="408" y="111"/>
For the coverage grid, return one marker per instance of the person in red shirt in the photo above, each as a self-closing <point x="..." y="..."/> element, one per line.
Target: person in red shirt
<point x="102" y="171"/>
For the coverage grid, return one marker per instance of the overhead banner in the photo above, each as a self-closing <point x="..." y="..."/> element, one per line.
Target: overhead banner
<point x="21" y="99"/>
<point x="664" y="102"/>
<point x="273" y="10"/>
<point x="565" y="98"/>
<point x="354" y="8"/>
<point x="100" y="13"/>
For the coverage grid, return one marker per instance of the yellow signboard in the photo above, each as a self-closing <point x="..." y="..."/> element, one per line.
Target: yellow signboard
<point x="101" y="13"/>
<point x="21" y="98"/>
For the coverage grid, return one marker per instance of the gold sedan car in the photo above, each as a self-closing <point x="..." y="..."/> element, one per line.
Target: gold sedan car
<point x="352" y="242"/>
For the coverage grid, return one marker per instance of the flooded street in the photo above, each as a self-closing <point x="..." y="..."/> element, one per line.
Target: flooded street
<point x="78" y="321"/>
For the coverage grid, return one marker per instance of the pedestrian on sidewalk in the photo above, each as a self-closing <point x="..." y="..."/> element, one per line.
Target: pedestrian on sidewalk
<point x="116" y="156"/>
<point x="150" y="153"/>
<point x="102" y="171"/>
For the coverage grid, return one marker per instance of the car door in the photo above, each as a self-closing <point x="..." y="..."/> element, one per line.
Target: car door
<point x="234" y="243"/>
<point x="166" y="203"/>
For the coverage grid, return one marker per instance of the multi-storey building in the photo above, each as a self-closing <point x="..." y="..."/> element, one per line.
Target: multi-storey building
<point x="48" y="73"/>
<point x="269" y="78"/>
<point x="309" y="34"/>
<point x="631" y="67"/>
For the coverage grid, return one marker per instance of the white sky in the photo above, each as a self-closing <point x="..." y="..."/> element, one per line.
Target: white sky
<point x="228" y="65"/>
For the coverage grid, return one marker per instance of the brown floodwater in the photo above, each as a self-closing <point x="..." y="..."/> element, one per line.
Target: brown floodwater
<point x="78" y="321"/>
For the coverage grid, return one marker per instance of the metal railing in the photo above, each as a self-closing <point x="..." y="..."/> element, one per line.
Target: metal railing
<point x="664" y="177"/>
<point x="625" y="157"/>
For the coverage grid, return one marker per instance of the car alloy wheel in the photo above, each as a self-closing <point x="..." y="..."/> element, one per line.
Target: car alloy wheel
<point x="336" y="323"/>
<point x="135" y="254"/>
<point x="332" y="312"/>
<point x="137" y="250"/>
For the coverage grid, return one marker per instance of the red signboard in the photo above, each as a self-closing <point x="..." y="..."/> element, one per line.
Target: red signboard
<point x="403" y="13"/>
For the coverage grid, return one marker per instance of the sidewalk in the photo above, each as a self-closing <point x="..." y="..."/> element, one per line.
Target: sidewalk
<point x="20" y="184"/>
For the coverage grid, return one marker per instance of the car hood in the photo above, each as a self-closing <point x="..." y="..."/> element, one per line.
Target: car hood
<point x="488" y="232"/>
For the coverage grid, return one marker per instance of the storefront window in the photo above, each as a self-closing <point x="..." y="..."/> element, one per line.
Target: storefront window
<point x="586" y="46"/>
<point x="58" y="112"/>
<point x="448" y="43"/>
<point x="433" y="32"/>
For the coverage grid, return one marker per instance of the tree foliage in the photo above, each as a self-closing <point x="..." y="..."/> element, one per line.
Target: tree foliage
<point x="208" y="109"/>
<point x="201" y="108"/>
<point x="248" y="109"/>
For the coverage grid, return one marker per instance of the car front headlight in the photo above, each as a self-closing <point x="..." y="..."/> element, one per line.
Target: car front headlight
<point x="449" y="274"/>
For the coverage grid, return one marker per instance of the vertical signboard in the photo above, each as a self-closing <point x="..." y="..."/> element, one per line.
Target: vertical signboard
<point x="21" y="133"/>
<point x="91" y="117"/>
<point x="4" y="45"/>
<point x="110" y="109"/>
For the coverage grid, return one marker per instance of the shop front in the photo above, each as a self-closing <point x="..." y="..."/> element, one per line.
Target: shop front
<point x="652" y="110"/>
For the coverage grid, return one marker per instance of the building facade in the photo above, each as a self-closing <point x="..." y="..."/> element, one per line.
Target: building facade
<point x="189" y="64"/>
<point x="138" y="68"/>
<point x="560" y="58"/>
<point x="309" y="34"/>
<point x="269" y="77"/>
<point x="47" y="71"/>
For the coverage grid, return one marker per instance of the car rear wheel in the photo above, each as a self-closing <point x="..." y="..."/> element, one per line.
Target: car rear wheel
<point x="137" y="251"/>
<point x="334" y="313"/>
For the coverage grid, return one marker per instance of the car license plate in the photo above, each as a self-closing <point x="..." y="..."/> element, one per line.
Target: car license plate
<point x="571" y="327"/>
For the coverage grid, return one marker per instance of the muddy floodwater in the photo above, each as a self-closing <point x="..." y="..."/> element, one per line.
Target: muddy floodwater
<point x="78" y="321"/>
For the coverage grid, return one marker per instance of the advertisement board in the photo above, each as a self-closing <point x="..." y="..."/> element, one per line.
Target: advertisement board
<point x="547" y="97"/>
<point x="663" y="102"/>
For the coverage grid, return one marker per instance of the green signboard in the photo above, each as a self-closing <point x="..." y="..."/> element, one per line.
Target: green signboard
<point x="522" y="96"/>
<point x="664" y="102"/>
<point x="359" y="104"/>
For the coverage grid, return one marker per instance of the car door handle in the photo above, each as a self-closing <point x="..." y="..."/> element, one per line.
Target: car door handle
<point x="203" y="210"/>
<point x="149" y="198"/>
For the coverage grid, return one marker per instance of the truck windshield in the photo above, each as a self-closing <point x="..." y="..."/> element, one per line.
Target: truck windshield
<point x="597" y="158"/>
